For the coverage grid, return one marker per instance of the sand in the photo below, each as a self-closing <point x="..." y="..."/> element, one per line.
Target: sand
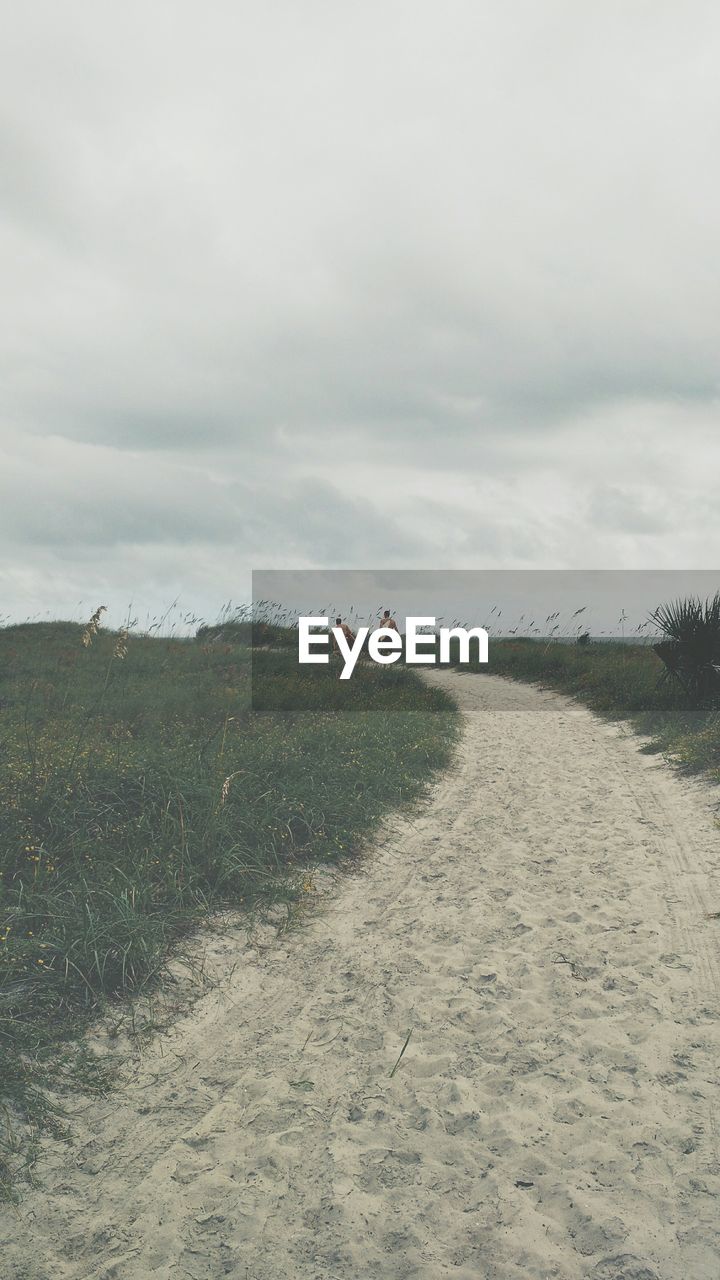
<point x="541" y="926"/>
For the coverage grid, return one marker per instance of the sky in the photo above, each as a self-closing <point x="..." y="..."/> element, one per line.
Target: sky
<point x="335" y="285"/>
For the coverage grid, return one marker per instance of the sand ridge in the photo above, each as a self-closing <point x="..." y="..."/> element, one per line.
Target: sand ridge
<point x="541" y="926"/>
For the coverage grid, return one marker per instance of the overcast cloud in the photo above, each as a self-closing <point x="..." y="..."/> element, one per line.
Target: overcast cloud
<point x="329" y="284"/>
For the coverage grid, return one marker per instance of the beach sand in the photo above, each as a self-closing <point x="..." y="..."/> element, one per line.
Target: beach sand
<point x="541" y="925"/>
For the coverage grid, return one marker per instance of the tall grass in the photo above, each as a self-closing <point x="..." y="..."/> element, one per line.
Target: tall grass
<point x="138" y="793"/>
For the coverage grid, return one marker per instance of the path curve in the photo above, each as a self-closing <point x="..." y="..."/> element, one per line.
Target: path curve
<point x="541" y="925"/>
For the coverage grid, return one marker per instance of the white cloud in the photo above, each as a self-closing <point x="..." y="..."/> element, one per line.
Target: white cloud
<point x="320" y="283"/>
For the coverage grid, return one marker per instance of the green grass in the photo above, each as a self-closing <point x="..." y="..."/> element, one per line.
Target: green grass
<point x="621" y="681"/>
<point x="140" y="793"/>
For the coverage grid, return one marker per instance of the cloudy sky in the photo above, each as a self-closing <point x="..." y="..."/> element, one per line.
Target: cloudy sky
<point x="330" y="284"/>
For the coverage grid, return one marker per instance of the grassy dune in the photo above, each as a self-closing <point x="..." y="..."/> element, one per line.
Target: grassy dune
<point x="620" y="681"/>
<point x="139" y="792"/>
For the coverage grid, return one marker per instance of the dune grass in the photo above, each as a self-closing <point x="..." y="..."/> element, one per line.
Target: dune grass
<point x="138" y="793"/>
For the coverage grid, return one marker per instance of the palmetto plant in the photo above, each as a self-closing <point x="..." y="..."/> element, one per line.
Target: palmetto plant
<point x="691" y="645"/>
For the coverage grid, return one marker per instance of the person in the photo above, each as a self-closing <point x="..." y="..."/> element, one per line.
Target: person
<point x="387" y="621"/>
<point x="348" y="634"/>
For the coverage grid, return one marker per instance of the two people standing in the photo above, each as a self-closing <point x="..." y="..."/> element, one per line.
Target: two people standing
<point x="387" y="622"/>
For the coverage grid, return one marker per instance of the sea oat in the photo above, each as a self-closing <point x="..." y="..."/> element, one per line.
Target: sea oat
<point x="93" y="626"/>
<point x="121" y="644"/>
<point x="226" y="786"/>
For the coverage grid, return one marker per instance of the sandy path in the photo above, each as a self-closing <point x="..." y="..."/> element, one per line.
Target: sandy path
<point x="541" y="927"/>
